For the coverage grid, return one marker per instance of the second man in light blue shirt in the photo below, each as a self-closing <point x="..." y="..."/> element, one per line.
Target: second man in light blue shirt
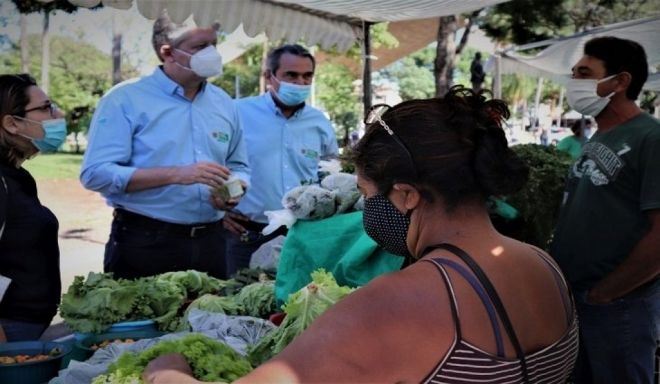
<point x="286" y="139"/>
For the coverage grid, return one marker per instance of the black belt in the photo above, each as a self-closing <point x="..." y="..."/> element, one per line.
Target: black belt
<point x="183" y="230"/>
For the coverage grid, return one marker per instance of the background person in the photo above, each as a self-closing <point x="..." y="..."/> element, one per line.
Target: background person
<point x="286" y="139"/>
<point x="477" y="74"/>
<point x="607" y="240"/>
<point x="157" y="146"/>
<point x="29" y="253"/>
<point x="426" y="168"/>
<point x="573" y="144"/>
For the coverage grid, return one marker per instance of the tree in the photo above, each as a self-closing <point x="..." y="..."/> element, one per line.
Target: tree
<point x="413" y="74"/>
<point x="527" y="21"/>
<point x="30" y="6"/>
<point x="337" y="95"/>
<point x="248" y="70"/>
<point x="80" y="74"/>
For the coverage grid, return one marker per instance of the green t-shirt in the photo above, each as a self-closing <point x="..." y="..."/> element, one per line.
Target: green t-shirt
<point x="612" y="183"/>
<point x="572" y="145"/>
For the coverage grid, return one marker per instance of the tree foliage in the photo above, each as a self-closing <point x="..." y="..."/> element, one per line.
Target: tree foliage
<point x="247" y="68"/>
<point x="80" y="74"/>
<point x="527" y="21"/>
<point x="413" y="74"/>
<point x="31" y="6"/>
<point x="336" y="93"/>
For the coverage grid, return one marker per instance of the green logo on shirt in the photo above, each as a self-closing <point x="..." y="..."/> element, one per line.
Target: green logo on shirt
<point x="310" y="153"/>
<point x="220" y="137"/>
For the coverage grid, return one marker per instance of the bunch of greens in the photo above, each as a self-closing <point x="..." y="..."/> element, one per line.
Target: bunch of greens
<point x="217" y="304"/>
<point x="93" y="305"/>
<point x="301" y="308"/>
<point x="194" y="282"/>
<point x="210" y="361"/>
<point x="258" y="299"/>
<point x="539" y="201"/>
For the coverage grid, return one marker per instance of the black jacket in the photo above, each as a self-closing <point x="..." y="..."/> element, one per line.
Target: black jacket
<point x="29" y="253"/>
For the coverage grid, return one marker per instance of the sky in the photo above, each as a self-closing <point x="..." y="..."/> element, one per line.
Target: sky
<point x="96" y="28"/>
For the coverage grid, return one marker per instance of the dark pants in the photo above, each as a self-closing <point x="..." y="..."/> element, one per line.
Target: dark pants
<point x="618" y="340"/>
<point x="241" y="247"/>
<point x="22" y="330"/>
<point x="140" y="246"/>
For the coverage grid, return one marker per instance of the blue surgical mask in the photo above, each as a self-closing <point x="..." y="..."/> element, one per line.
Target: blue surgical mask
<point x="54" y="134"/>
<point x="292" y="94"/>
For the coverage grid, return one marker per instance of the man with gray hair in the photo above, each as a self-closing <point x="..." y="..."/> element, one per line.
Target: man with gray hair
<point x="159" y="146"/>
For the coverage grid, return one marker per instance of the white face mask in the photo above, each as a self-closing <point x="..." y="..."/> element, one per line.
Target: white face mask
<point x="582" y="96"/>
<point x="204" y="63"/>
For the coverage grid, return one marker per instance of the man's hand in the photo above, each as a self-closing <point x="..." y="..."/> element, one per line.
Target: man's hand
<point x="172" y="368"/>
<point x="220" y="203"/>
<point x="204" y="172"/>
<point x="230" y="223"/>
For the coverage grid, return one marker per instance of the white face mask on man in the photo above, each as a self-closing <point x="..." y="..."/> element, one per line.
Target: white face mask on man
<point x="204" y="63"/>
<point x="582" y="96"/>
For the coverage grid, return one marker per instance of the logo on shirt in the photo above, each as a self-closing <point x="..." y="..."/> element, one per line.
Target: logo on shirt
<point x="310" y="154"/>
<point x="220" y="136"/>
<point x="599" y="163"/>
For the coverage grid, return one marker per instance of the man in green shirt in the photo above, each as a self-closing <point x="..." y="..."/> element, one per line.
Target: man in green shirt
<point x="607" y="241"/>
<point x="573" y="144"/>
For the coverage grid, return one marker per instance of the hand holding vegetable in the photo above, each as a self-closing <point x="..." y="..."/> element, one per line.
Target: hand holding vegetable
<point x="170" y="368"/>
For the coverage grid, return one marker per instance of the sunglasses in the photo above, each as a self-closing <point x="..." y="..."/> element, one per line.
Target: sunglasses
<point x="48" y="107"/>
<point x="374" y="115"/>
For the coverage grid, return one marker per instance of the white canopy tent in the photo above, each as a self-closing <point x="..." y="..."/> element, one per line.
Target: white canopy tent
<point x="555" y="61"/>
<point x="328" y="23"/>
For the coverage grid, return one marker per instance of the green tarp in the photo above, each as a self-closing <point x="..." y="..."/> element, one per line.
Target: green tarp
<point x="339" y="245"/>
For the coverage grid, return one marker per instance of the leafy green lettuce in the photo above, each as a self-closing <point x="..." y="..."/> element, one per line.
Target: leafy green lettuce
<point x="302" y="308"/>
<point x="210" y="360"/>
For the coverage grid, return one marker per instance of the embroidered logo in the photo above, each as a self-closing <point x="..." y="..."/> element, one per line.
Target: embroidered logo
<point x="220" y="136"/>
<point x="310" y="154"/>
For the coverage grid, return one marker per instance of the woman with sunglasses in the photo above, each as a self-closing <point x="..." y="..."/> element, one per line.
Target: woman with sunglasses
<point x="473" y="305"/>
<point x="29" y="252"/>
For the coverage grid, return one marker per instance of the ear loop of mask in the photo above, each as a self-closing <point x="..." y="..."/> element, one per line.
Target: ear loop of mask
<point x="30" y="121"/>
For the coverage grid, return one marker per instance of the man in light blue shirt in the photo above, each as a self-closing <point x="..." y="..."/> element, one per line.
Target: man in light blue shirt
<point x="157" y="148"/>
<point x="286" y="139"/>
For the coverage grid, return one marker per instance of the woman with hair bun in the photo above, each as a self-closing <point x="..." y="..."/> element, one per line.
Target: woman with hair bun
<point x="471" y="305"/>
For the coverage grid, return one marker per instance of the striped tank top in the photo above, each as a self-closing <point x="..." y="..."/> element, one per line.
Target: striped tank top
<point x="466" y="363"/>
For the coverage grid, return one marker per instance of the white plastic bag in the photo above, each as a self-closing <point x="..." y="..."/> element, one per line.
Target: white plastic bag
<point x="277" y="219"/>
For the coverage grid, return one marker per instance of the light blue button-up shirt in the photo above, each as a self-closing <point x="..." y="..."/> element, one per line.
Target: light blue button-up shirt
<point x="148" y="123"/>
<point x="283" y="153"/>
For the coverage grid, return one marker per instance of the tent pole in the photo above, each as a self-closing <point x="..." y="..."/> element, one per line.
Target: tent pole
<point x="498" y="77"/>
<point x="537" y="102"/>
<point x="366" y="75"/>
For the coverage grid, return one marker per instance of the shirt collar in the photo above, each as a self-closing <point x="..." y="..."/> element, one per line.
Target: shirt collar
<point x="168" y="85"/>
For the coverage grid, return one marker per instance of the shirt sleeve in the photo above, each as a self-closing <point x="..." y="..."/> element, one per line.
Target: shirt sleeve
<point x="109" y="149"/>
<point x="330" y="148"/>
<point x="650" y="172"/>
<point x="237" y="157"/>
